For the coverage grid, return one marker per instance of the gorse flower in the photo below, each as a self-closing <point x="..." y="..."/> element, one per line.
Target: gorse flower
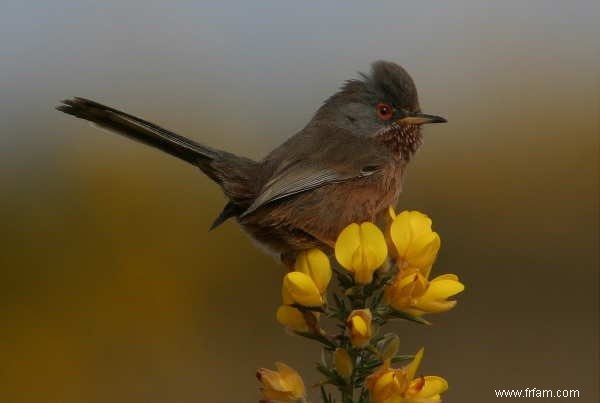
<point x="361" y="249"/>
<point x="299" y="288"/>
<point x="355" y="359"/>
<point x="282" y="385"/>
<point x="316" y="265"/>
<point x="389" y="385"/>
<point x="415" y="244"/>
<point x="307" y="284"/>
<point x="413" y="293"/>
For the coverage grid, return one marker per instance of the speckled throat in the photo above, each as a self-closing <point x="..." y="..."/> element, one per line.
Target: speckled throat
<point x="403" y="139"/>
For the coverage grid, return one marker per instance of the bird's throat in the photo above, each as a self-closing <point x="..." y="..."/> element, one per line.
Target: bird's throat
<point x="402" y="140"/>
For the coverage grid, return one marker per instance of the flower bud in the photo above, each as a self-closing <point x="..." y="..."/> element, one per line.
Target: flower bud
<point x="282" y="385"/>
<point x="343" y="363"/>
<point x="359" y="328"/>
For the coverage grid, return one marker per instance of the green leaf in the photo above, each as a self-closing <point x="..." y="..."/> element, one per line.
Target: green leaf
<point x="318" y="337"/>
<point x="303" y="308"/>
<point x="344" y="278"/>
<point x="376" y="299"/>
<point x="342" y="310"/>
<point x="325" y="356"/>
<point x="332" y="376"/>
<point x="407" y="316"/>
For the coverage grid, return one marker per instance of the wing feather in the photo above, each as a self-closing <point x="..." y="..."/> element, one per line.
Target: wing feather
<point x="315" y="165"/>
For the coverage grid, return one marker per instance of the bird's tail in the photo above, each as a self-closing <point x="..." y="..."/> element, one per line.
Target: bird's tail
<point x="137" y="129"/>
<point x="236" y="175"/>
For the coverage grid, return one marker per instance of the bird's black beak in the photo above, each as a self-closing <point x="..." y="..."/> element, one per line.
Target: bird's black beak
<point x="421" y="119"/>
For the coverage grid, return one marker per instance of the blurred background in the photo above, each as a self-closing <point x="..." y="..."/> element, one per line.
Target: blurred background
<point x="113" y="290"/>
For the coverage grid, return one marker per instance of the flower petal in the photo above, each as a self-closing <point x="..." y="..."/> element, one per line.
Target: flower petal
<point x="419" y="222"/>
<point x="372" y="236"/>
<point x="302" y="289"/>
<point x="359" y="326"/>
<point x="346" y="245"/>
<point x="292" y="379"/>
<point x="361" y="249"/>
<point x="286" y="296"/>
<point x="445" y="286"/>
<point x="423" y="251"/>
<point x="364" y="263"/>
<point x="412" y="368"/>
<point x="415" y="243"/>
<point x="434" y="385"/>
<point x="400" y="233"/>
<point x="291" y="318"/>
<point x="435" y="298"/>
<point x="316" y="264"/>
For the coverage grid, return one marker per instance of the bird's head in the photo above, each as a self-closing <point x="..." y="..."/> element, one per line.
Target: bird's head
<point x="382" y="105"/>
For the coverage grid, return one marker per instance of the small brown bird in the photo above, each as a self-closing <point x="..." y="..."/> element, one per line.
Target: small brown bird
<point x="346" y="165"/>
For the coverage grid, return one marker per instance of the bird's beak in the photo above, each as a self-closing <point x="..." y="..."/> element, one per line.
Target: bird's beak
<point x="421" y="119"/>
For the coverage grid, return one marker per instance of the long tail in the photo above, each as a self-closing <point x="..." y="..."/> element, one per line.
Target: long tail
<point x="236" y="175"/>
<point x="138" y="129"/>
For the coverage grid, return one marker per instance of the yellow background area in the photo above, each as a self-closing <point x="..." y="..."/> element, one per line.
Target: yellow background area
<point x="113" y="290"/>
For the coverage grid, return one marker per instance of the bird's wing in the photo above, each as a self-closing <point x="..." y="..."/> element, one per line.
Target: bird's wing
<point x="321" y="156"/>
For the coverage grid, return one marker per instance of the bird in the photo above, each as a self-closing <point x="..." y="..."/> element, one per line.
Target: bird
<point x="346" y="165"/>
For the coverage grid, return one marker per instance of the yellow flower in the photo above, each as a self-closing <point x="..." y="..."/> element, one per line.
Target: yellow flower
<point x="292" y="318"/>
<point x="389" y="385"/>
<point x="282" y="385"/>
<point x="343" y="363"/>
<point x="413" y="293"/>
<point x="299" y="288"/>
<point x="315" y="264"/>
<point x="435" y="298"/>
<point x="415" y="244"/>
<point x="361" y="249"/>
<point x="359" y="328"/>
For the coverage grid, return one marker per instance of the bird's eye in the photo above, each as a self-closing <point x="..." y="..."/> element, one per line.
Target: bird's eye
<point x="384" y="111"/>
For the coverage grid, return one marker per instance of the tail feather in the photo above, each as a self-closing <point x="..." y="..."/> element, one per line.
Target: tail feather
<point x="238" y="176"/>
<point x="137" y="129"/>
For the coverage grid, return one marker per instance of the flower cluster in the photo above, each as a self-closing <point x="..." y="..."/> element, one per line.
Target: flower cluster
<point x="382" y="276"/>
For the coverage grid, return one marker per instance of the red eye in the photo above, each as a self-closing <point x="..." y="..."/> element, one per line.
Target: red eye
<point x="384" y="111"/>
